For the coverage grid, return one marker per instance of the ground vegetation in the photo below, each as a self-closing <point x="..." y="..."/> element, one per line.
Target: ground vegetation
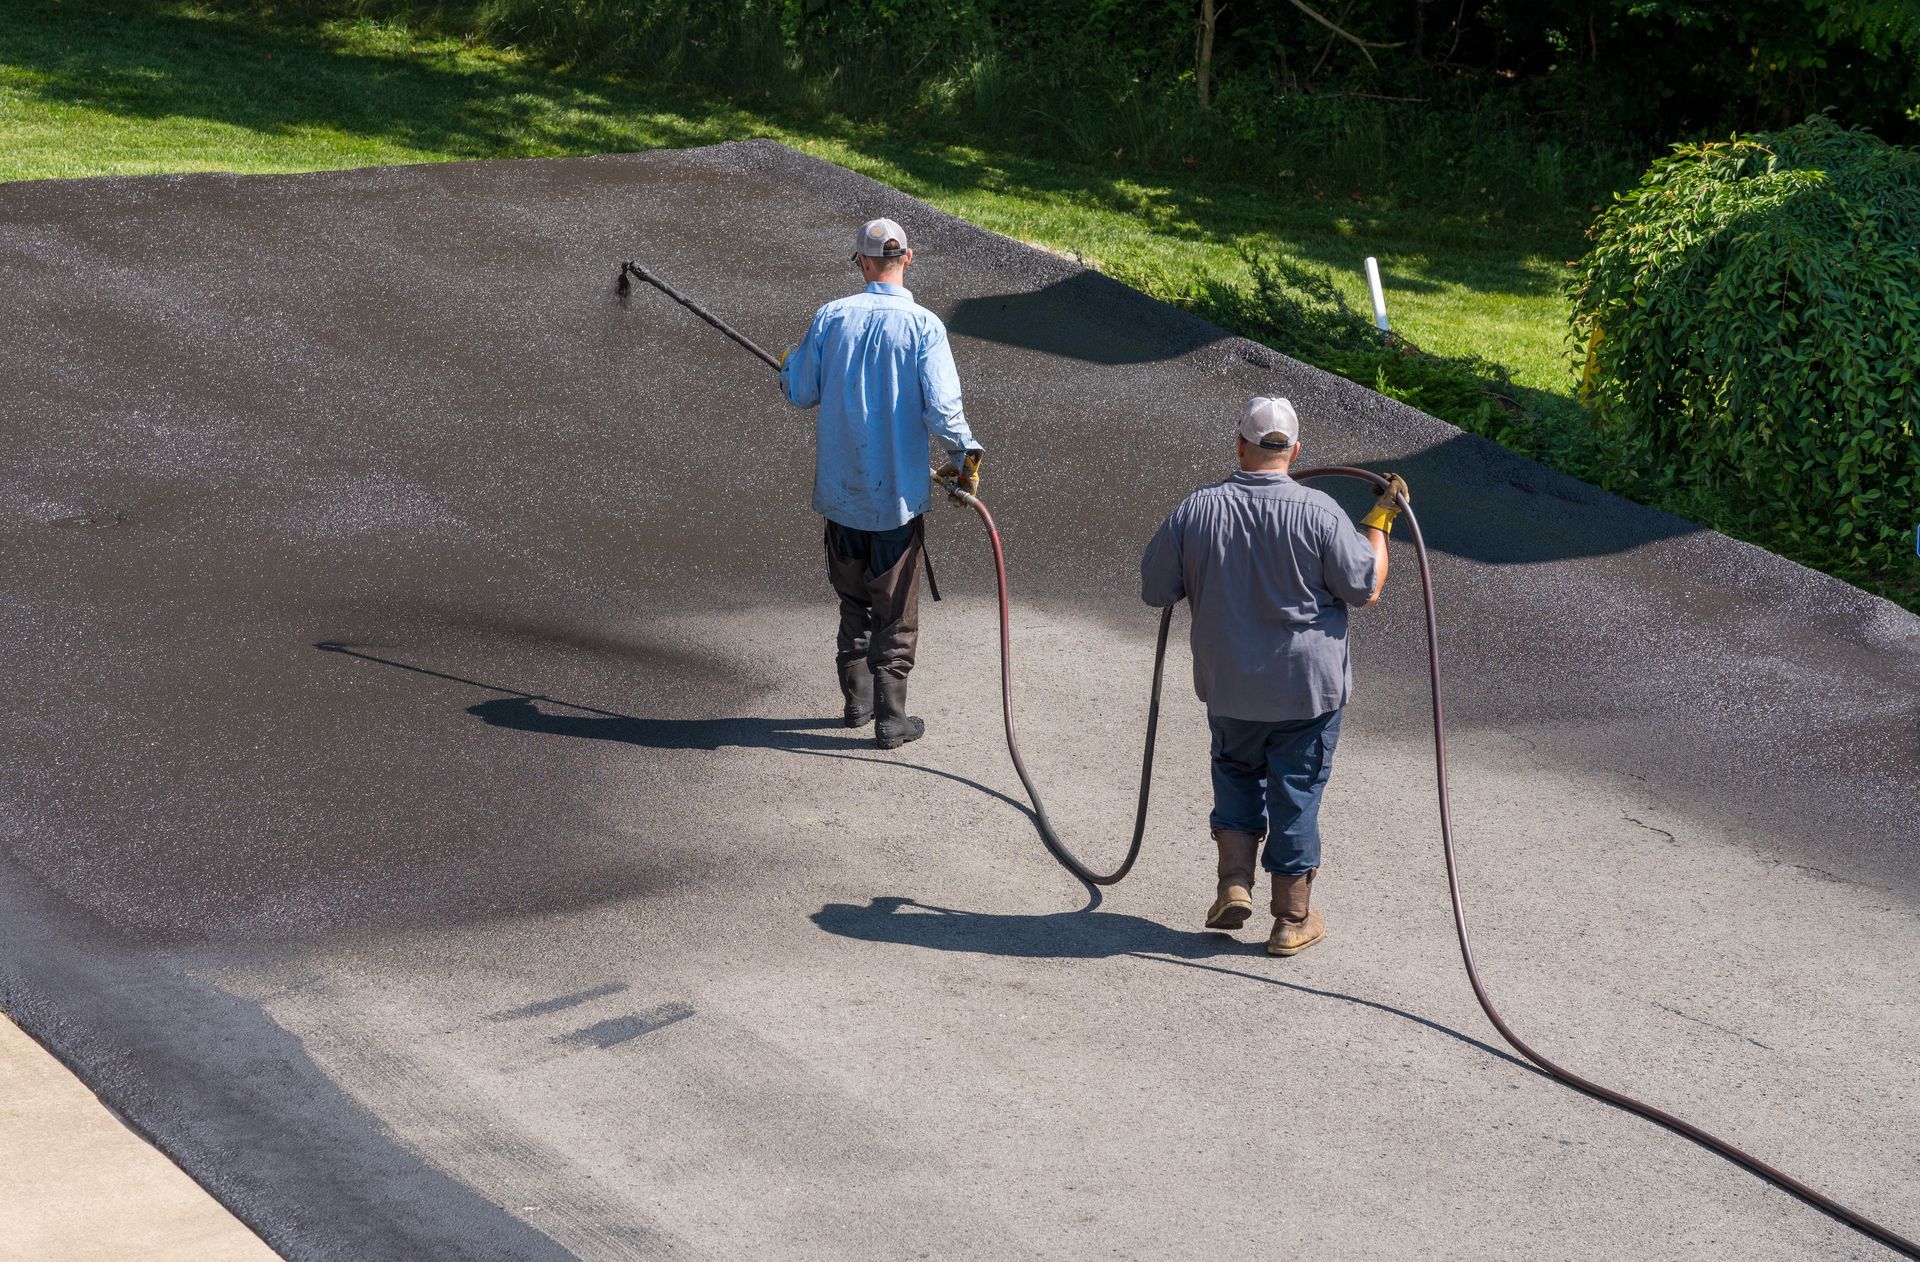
<point x="1239" y="160"/>
<point x="1751" y="311"/>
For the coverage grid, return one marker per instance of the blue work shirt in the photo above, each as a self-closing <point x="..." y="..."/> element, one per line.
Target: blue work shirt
<point x="878" y="366"/>
<point x="1269" y="569"/>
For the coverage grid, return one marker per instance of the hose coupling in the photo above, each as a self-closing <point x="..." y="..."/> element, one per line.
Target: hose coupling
<point x="953" y="489"/>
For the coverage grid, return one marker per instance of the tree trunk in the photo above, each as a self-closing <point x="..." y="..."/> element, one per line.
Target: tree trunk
<point x="1203" y="62"/>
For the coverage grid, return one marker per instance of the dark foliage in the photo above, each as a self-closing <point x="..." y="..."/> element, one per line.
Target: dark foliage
<point x="1549" y="102"/>
<point x="1752" y="313"/>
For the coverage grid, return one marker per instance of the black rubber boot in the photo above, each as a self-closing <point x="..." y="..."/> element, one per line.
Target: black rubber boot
<point x="896" y="727"/>
<point x="856" y="685"/>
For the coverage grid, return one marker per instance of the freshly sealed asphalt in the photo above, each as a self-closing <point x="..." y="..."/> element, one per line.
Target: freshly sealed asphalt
<point x="423" y="815"/>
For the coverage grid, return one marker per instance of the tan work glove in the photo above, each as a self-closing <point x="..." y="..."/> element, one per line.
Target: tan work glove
<point x="1393" y="497"/>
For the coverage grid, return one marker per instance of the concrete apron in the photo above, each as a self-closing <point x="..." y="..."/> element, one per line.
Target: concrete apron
<point x="78" y="1186"/>
<point x="402" y="966"/>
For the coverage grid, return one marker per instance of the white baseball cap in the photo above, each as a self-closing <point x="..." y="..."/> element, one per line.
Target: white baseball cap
<point x="1270" y="423"/>
<point x="881" y="239"/>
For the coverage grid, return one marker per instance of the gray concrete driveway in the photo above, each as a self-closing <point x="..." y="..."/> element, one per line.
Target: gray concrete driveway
<point x="330" y="499"/>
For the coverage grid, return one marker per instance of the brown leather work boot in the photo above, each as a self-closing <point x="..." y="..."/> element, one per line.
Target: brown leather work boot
<point x="1296" y="926"/>
<point x="1235" y="900"/>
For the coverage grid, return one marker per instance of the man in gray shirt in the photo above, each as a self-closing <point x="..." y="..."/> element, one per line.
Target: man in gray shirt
<point x="1270" y="569"/>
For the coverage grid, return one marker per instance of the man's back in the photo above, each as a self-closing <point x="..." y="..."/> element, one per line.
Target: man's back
<point x="879" y="367"/>
<point x="1269" y="568"/>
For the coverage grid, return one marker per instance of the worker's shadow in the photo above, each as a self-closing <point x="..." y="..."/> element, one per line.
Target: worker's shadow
<point x="1060" y="935"/>
<point x="520" y="714"/>
<point x="796" y="736"/>
<point x="520" y="711"/>
<point x="1082" y="935"/>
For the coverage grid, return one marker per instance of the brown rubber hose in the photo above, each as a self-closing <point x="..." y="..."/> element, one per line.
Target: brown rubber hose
<point x="1786" y="1182"/>
<point x="1059" y="850"/>
<point x="1048" y="837"/>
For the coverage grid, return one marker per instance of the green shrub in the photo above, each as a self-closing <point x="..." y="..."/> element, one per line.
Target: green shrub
<point x="1751" y="316"/>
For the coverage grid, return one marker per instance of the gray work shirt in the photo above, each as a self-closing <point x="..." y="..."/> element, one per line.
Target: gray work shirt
<point x="1268" y="568"/>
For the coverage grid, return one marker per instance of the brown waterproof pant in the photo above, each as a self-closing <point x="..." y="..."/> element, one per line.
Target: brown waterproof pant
<point x="877" y="576"/>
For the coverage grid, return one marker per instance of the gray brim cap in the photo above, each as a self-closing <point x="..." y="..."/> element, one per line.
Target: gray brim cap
<point x="881" y="239"/>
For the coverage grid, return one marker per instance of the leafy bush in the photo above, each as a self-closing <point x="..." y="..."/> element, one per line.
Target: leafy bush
<point x="1751" y="312"/>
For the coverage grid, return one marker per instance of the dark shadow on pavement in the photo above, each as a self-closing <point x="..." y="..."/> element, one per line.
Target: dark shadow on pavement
<point x="520" y="714"/>
<point x="516" y="710"/>
<point x="1084" y="935"/>
<point x="1479" y="501"/>
<point x="1074" y="318"/>
<point x="795" y="736"/>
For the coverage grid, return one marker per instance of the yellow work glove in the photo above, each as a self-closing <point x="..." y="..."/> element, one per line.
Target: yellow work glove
<point x="1393" y="497"/>
<point x="965" y="475"/>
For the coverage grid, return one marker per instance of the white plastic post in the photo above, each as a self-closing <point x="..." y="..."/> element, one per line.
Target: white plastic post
<point x="1379" y="297"/>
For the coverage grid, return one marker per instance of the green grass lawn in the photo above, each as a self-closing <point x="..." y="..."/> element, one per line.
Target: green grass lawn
<point x="140" y="87"/>
<point x="116" y="87"/>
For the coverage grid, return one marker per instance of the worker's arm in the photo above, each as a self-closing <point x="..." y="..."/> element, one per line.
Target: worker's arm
<point x="1354" y="562"/>
<point x="946" y="420"/>
<point x="1162" y="581"/>
<point x="800" y="369"/>
<point x="1377" y="540"/>
<point x="1379" y="524"/>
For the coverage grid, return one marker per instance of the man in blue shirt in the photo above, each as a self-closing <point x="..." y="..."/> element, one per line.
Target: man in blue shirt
<point x="1269" y="569"/>
<point x="878" y="367"/>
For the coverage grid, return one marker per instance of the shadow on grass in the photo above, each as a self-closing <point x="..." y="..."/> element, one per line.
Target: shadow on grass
<point x="279" y="77"/>
<point x="284" y="74"/>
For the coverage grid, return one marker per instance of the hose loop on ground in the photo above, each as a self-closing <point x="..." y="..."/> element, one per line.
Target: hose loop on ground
<point x="1048" y="836"/>
<point x="1859" y="1222"/>
<point x="1056" y="847"/>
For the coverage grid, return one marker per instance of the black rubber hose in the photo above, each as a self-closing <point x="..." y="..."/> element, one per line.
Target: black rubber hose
<point x="1786" y="1182"/>
<point x="1738" y="1156"/>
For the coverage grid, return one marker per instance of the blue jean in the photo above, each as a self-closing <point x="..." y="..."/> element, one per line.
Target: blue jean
<point x="1268" y="778"/>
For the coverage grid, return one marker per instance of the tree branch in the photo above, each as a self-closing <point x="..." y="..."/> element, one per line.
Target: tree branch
<point x="1454" y="47"/>
<point x="1362" y="44"/>
<point x="1326" y="52"/>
